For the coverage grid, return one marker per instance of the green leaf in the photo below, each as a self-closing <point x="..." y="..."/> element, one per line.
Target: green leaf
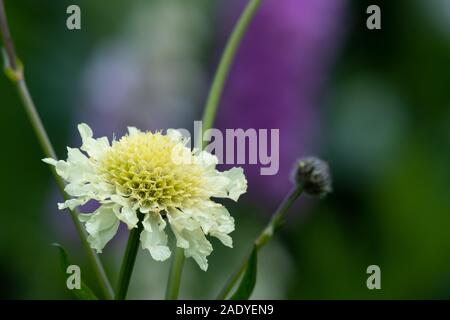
<point x="245" y="289"/>
<point x="84" y="293"/>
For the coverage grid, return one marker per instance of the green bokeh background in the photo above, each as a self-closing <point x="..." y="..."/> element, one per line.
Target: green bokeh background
<point x="385" y="132"/>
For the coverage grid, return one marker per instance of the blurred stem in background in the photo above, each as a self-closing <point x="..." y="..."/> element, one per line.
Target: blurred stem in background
<point x="209" y="115"/>
<point x="225" y="63"/>
<point x="274" y="224"/>
<point x="312" y="176"/>
<point x="14" y="71"/>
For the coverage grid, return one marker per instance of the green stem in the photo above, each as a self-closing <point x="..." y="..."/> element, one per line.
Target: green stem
<point x="14" y="71"/>
<point x="209" y="114"/>
<point x="278" y="218"/>
<point x="128" y="262"/>
<point x="225" y="63"/>
<point x="264" y="237"/>
<point x="176" y="269"/>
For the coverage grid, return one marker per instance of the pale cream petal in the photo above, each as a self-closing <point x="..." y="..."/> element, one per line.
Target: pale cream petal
<point x="101" y="226"/>
<point x="129" y="216"/>
<point x="182" y="219"/>
<point x="223" y="237"/>
<point x="181" y="155"/>
<point x="81" y="175"/>
<point x="153" y="237"/>
<point x="85" y="131"/>
<point x="124" y="211"/>
<point x="79" y="189"/>
<point x="190" y="236"/>
<point x="199" y="247"/>
<point x="94" y="147"/>
<point x="77" y="168"/>
<point x="63" y="169"/>
<point x="238" y="183"/>
<point x="228" y="184"/>
<point x="74" y="155"/>
<point x="178" y="222"/>
<point x="133" y="131"/>
<point x="72" y="203"/>
<point x="50" y="161"/>
<point x="175" y="135"/>
<point x="123" y="202"/>
<point x="207" y="160"/>
<point x="214" y="220"/>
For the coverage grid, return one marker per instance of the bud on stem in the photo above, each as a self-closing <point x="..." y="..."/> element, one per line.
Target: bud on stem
<point x="313" y="174"/>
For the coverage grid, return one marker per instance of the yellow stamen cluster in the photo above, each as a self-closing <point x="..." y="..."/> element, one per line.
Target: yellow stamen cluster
<point x="141" y="167"/>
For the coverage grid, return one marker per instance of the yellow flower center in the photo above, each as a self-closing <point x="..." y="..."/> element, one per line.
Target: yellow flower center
<point x="141" y="167"/>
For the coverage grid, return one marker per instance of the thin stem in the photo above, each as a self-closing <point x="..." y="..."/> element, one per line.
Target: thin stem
<point x="278" y="218"/>
<point x="6" y="36"/>
<point x="15" y="74"/>
<point x="128" y="262"/>
<point x="209" y="114"/>
<point x="33" y="116"/>
<point x="235" y="276"/>
<point x="176" y="269"/>
<point x="225" y="63"/>
<point x="264" y="237"/>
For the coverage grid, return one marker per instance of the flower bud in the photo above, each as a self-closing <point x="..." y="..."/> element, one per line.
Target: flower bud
<point x="313" y="174"/>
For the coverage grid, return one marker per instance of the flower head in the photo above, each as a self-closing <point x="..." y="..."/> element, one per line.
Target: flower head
<point x="313" y="174"/>
<point x="153" y="179"/>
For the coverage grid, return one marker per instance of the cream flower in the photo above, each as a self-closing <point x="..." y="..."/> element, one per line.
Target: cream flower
<point x="153" y="179"/>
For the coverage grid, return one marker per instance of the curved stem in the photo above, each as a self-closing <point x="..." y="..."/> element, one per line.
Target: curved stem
<point x="6" y="36"/>
<point x="14" y="71"/>
<point x="225" y="63"/>
<point x="209" y="115"/>
<point x="278" y="217"/>
<point x="128" y="262"/>
<point x="235" y="276"/>
<point x="176" y="269"/>
<point x="264" y="237"/>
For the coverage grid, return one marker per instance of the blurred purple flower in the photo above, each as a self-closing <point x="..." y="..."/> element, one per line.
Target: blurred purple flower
<point x="277" y="79"/>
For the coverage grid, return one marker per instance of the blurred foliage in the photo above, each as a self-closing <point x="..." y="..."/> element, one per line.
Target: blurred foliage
<point x="385" y="132"/>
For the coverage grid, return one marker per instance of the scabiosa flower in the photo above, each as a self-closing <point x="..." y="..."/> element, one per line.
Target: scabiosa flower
<point x="138" y="179"/>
